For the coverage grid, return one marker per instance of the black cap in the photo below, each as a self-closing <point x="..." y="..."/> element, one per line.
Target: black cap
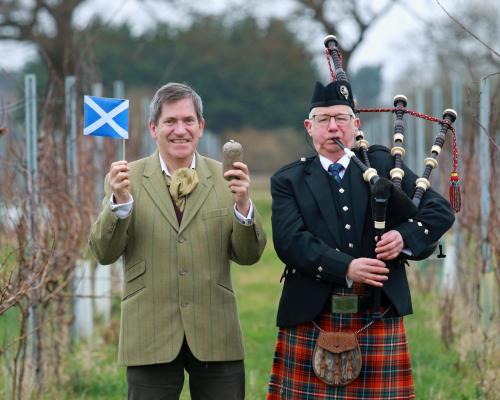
<point x="335" y="93"/>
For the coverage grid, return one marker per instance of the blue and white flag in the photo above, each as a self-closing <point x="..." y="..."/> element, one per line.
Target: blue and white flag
<point x="105" y="117"/>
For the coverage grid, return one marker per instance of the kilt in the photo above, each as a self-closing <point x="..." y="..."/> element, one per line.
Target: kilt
<point x="385" y="373"/>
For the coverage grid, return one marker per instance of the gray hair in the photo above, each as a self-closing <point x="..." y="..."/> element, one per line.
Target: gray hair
<point x="170" y="93"/>
<point x="311" y="113"/>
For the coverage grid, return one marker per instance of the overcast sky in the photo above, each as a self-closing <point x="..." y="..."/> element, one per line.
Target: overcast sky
<point x="388" y="43"/>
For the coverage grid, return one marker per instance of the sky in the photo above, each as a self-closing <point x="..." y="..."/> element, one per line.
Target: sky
<point x="387" y="43"/>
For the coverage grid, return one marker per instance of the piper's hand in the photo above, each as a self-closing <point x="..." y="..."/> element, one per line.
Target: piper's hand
<point x="368" y="270"/>
<point x="119" y="181"/>
<point x="389" y="246"/>
<point x="239" y="185"/>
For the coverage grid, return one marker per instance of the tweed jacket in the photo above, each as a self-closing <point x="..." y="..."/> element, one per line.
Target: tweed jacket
<point x="177" y="279"/>
<point x="309" y="236"/>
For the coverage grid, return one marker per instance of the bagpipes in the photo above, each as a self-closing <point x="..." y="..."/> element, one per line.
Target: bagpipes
<point x="385" y="192"/>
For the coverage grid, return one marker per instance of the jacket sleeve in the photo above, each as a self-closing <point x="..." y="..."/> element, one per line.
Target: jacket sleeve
<point x="247" y="241"/>
<point x="296" y="246"/>
<point x="108" y="235"/>
<point x="431" y="222"/>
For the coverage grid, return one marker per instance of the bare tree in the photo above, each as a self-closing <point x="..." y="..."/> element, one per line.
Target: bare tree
<point x="38" y="281"/>
<point x="333" y="16"/>
<point x="47" y="24"/>
<point x="462" y="43"/>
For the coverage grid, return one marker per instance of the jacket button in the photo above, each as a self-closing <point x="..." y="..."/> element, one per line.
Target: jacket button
<point x="180" y="239"/>
<point x="184" y="304"/>
<point x="182" y="272"/>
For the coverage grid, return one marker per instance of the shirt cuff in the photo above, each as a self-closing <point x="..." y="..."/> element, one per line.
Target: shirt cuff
<point x="248" y="220"/>
<point x="407" y="251"/>
<point x="123" y="210"/>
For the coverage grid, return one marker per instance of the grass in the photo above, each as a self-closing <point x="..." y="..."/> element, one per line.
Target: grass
<point x="93" y="373"/>
<point x="436" y="370"/>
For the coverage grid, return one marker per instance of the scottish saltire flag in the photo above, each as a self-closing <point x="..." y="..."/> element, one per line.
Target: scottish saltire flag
<point x="105" y="117"/>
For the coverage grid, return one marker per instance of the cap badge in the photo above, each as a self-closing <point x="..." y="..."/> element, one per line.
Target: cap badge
<point x="344" y="91"/>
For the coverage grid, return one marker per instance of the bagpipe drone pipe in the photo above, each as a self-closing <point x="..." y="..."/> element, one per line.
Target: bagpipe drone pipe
<point x="389" y="203"/>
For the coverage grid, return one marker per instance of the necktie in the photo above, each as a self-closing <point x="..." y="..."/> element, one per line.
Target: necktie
<point x="334" y="170"/>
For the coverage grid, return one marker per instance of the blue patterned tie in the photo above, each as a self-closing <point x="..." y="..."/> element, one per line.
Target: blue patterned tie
<point x="334" y="170"/>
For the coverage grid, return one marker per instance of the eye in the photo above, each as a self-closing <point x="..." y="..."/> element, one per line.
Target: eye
<point x="342" y="118"/>
<point x="322" y="119"/>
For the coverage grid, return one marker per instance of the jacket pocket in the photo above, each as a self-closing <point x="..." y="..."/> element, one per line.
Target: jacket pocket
<point x="134" y="279"/>
<point x="218" y="212"/>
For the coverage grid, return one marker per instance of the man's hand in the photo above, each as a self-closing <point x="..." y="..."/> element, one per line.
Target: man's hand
<point x="389" y="246"/>
<point x="119" y="181"/>
<point x="368" y="270"/>
<point x="239" y="185"/>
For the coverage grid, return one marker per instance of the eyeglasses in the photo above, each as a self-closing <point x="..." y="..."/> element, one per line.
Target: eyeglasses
<point x="323" y="120"/>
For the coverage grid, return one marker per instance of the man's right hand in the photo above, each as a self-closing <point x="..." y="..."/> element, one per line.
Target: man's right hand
<point x="119" y="181"/>
<point x="368" y="270"/>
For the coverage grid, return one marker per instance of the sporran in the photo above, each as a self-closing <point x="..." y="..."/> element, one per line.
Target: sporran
<point x="337" y="358"/>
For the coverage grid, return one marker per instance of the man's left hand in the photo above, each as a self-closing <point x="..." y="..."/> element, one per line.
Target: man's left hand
<point x="389" y="246"/>
<point x="239" y="185"/>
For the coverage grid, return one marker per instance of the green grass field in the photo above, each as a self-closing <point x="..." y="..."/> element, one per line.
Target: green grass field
<point x="93" y="373"/>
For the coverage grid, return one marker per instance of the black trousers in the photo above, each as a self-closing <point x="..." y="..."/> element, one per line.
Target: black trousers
<point x="215" y="380"/>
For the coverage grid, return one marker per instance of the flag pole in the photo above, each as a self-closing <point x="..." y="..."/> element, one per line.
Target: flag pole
<point x="123" y="148"/>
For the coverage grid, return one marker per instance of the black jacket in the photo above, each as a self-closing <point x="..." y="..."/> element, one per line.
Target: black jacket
<point x="308" y="237"/>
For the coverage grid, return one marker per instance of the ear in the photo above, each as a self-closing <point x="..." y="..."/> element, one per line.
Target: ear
<point x="153" y="130"/>
<point x="357" y="123"/>
<point x="308" y="126"/>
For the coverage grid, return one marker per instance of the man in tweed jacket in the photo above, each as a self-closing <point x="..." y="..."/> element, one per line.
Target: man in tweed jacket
<point x="178" y="224"/>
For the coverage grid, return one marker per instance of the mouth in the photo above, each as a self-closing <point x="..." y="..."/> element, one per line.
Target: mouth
<point x="179" y="141"/>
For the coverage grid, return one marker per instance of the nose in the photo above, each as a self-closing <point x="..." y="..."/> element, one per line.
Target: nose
<point x="179" y="128"/>
<point x="332" y="125"/>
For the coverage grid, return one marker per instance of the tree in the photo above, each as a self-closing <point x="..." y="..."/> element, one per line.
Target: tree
<point x="247" y="75"/>
<point x="333" y="16"/>
<point x="459" y="44"/>
<point x="49" y="25"/>
<point x="38" y="283"/>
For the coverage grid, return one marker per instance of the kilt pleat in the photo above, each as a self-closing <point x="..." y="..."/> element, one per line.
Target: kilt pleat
<point x="385" y="374"/>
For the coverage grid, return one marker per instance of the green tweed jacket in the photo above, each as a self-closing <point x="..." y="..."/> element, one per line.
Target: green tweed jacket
<point x="177" y="279"/>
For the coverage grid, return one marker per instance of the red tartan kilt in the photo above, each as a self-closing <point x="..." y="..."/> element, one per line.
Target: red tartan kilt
<point x="386" y="370"/>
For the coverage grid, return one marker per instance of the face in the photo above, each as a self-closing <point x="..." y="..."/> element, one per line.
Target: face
<point x="323" y="130"/>
<point x="177" y="133"/>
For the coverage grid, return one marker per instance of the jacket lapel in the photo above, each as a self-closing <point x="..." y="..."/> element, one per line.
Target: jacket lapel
<point x="154" y="183"/>
<point x="360" y="193"/>
<point x="196" y="199"/>
<point x="317" y="180"/>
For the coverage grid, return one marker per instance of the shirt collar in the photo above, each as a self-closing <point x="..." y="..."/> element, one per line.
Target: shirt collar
<point x="325" y="162"/>
<point x="167" y="172"/>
